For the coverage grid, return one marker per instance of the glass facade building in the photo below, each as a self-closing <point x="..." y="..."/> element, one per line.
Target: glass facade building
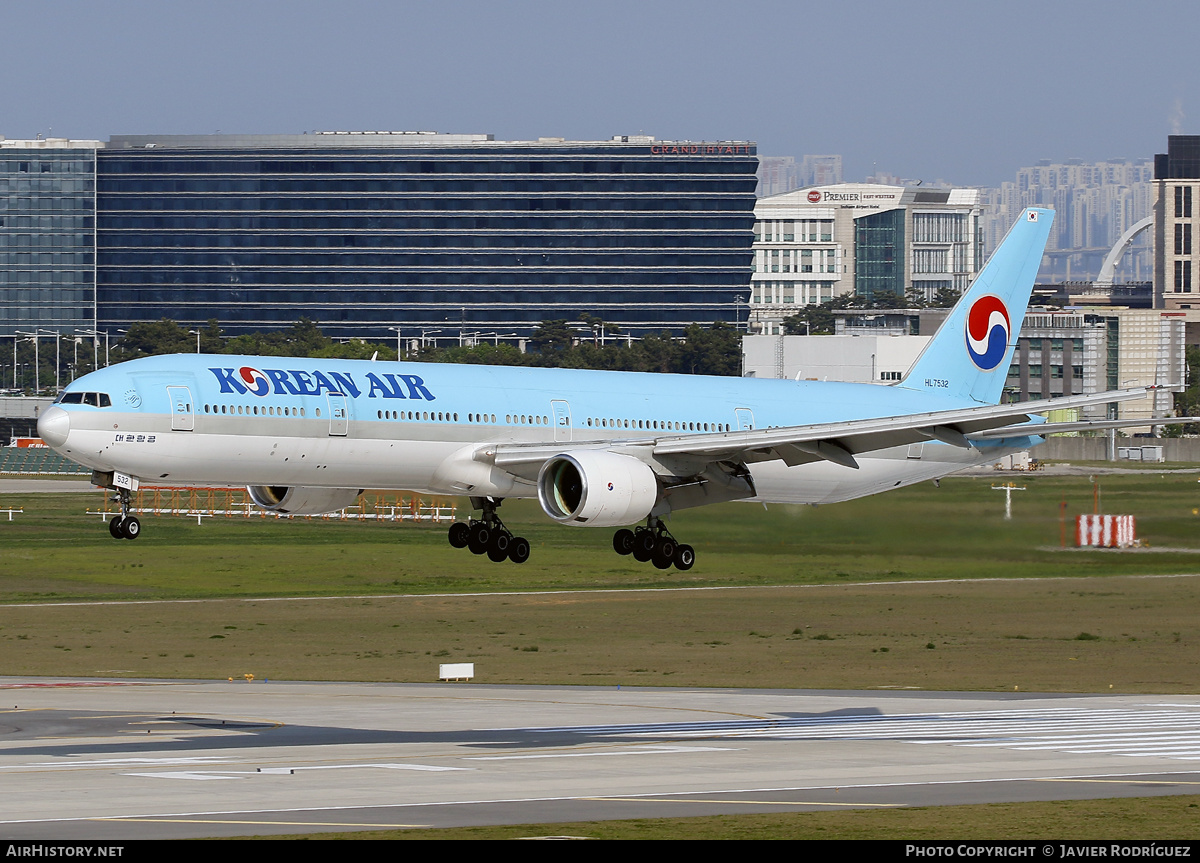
<point x="47" y="236"/>
<point x="367" y="233"/>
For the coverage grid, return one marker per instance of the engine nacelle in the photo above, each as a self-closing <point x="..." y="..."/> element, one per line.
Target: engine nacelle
<point x="302" y="500"/>
<point x="596" y="488"/>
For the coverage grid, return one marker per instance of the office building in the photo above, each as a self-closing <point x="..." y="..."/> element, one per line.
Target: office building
<point x="422" y="232"/>
<point x="1177" y="224"/>
<point x="452" y="236"/>
<point x="47" y="236"/>
<point x="816" y="244"/>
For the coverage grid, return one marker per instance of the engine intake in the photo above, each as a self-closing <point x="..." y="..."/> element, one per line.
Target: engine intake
<point x="596" y="488"/>
<point x="302" y="500"/>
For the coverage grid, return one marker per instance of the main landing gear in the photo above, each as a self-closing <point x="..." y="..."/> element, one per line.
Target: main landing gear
<point x="488" y="535"/>
<point x="654" y="542"/>
<point x="124" y="526"/>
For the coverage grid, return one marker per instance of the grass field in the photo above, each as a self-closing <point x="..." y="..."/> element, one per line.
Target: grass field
<point x="825" y="596"/>
<point x="1159" y="818"/>
<point x="54" y="552"/>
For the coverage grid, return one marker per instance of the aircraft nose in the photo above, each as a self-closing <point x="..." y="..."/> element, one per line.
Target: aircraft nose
<point x="54" y="425"/>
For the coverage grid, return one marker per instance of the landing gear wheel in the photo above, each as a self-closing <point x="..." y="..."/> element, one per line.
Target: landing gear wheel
<point x="460" y="534"/>
<point x="114" y="527"/>
<point x="498" y="546"/>
<point x="488" y="535"/>
<point x="643" y="545"/>
<point x="623" y="541"/>
<point x="518" y="550"/>
<point x="664" y="552"/>
<point x="478" y="537"/>
<point x="685" y="557"/>
<point x="131" y="528"/>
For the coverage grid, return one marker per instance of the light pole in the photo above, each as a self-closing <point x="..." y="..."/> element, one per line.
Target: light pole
<point x="196" y="333"/>
<point x="37" y="381"/>
<point x="396" y="330"/>
<point x="57" y="355"/>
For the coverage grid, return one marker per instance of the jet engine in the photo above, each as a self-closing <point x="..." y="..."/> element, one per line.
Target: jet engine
<point x="596" y="488"/>
<point x="302" y="500"/>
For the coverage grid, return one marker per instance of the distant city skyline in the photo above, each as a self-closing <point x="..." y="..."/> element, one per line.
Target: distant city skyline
<point x="928" y="90"/>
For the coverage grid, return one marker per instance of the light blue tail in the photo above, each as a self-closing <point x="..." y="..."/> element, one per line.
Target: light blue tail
<point x="970" y="355"/>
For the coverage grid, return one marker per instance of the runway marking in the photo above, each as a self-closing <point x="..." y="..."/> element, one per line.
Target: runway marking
<point x="117" y="762"/>
<point x="431" y="768"/>
<point x="201" y="775"/>
<point x="1169" y="782"/>
<point x="66" y="684"/>
<point x="746" y="802"/>
<point x="181" y="774"/>
<point x="365" y="825"/>
<point x="646" y="751"/>
<point x="1130" y="777"/>
<point x="1162" y="733"/>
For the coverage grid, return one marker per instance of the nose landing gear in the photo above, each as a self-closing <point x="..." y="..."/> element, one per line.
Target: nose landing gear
<point x="124" y="526"/>
<point x="488" y="535"/>
<point x="654" y="543"/>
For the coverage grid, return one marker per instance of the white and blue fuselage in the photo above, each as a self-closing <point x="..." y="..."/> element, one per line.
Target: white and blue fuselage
<point x="275" y="421"/>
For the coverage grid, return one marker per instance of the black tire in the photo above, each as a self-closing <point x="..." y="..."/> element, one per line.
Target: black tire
<point x="623" y="541"/>
<point x="460" y="534"/>
<point x="498" y="545"/>
<point x="114" y="527"/>
<point x="664" y="552"/>
<point x="643" y="545"/>
<point x="518" y="550"/>
<point x="478" y="538"/>
<point x="131" y="528"/>
<point x="685" y="557"/>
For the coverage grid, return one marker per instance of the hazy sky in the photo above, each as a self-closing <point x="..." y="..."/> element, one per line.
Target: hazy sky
<point x="964" y="91"/>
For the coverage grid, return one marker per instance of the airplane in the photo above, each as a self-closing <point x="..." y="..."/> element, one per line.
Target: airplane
<point x="595" y="448"/>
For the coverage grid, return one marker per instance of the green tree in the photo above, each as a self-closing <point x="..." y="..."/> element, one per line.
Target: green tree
<point x="153" y="338"/>
<point x="716" y="350"/>
<point x="552" y="337"/>
<point x="1187" y="403"/>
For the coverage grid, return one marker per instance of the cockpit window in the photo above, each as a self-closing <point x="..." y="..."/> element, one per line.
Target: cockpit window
<point x="96" y="400"/>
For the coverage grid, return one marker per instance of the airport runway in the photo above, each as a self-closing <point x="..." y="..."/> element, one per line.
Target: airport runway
<point x="165" y="759"/>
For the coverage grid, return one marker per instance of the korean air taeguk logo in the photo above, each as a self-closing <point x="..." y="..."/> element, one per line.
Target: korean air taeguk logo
<point x="256" y="382"/>
<point x="987" y="332"/>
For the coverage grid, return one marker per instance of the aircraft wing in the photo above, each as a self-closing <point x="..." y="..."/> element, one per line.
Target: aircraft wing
<point x="840" y="442"/>
<point x="1042" y="429"/>
<point x="837" y="442"/>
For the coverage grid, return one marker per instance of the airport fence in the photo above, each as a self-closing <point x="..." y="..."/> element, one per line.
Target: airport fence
<point x="201" y="503"/>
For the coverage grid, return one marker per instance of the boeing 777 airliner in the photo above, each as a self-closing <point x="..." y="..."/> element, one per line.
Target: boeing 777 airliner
<point x="597" y="449"/>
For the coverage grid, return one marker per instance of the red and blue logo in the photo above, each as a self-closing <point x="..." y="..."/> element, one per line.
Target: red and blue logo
<point x="255" y="381"/>
<point x="988" y="327"/>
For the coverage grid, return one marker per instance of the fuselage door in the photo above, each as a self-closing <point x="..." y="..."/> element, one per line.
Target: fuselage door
<point x="339" y="416"/>
<point x="183" y="418"/>
<point x="562" y="419"/>
<point x="745" y="419"/>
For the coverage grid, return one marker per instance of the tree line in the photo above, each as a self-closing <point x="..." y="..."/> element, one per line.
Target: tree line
<point x="709" y="350"/>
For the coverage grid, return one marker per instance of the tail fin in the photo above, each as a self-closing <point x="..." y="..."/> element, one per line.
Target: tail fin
<point x="970" y="354"/>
